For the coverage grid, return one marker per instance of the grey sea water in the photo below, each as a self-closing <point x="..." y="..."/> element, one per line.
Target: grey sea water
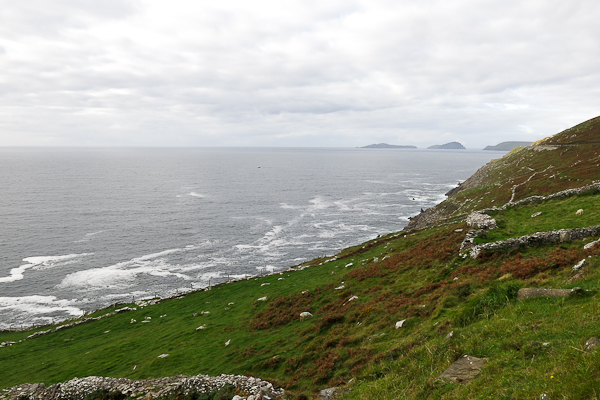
<point x="83" y="228"/>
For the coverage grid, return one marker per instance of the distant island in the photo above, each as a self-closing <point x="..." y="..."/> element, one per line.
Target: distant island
<point x="508" y="146"/>
<point x="448" y="146"/>
<point x="387" y="146"/>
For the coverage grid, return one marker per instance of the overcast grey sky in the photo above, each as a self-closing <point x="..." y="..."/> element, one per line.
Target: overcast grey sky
<point x="295" y="72"/>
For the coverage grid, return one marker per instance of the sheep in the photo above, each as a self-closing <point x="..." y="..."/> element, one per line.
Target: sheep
<point x="304" y="315"/>
<point x="579" y="212"/>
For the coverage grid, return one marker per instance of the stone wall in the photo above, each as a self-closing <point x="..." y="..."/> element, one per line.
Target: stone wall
<point x="76" y="389"/>
<point x="536" y="239"/>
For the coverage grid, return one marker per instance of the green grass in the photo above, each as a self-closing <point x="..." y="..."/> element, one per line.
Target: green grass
<point x="517" y="221"/>
<point x="410" y="275"/>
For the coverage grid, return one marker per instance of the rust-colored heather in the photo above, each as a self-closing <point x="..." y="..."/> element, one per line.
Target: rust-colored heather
<point x="522" y="267"/>
<point x="282" y="311"/>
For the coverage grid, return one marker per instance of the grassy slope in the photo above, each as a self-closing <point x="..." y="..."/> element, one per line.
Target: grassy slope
<point x="555" y="214"/>
<point x="410" y="275"/>
<point x="566" y="160"/>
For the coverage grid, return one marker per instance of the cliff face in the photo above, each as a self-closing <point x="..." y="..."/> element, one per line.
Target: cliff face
<point x="567" y="160"/>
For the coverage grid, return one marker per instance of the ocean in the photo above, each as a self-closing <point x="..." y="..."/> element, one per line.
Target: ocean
<point x="83" y="228"/>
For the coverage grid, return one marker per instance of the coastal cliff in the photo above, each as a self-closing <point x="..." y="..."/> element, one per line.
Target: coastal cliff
<point x="566" y="160"/>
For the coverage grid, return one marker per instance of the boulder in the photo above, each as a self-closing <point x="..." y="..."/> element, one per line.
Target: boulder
<point x="327" y="393"/>
<point x="464" y="369"/>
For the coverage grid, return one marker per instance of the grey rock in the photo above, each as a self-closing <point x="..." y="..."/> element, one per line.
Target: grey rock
<point x="579" y="265"/>
<point x="592" y="343"/>
<point x="464" y="369"/>
<point x="591" y="244"/>
<point x="327" y="393"/>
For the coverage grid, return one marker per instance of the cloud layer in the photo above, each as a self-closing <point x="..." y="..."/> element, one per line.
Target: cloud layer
<point x="295" y="73"/>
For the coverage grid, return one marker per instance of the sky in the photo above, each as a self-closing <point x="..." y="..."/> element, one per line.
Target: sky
<point x="287" y="73"/>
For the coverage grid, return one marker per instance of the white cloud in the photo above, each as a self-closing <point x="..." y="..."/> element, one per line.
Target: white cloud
<point x="327" y="73"/>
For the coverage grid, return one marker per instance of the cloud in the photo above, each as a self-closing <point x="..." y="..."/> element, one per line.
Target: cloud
<point x="342" y="73"/>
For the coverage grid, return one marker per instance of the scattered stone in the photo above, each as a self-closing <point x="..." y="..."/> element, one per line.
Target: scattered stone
<point x="536" y="214"/>
<point x="227" y="342"/>
<point x="205" y="313"/>
<point x="544" y="396"/>
<point x="458" y="230"/>
<point x="579" y="212"/>
<point x="539" y="344"/>
<point x="450" y="335"/>
<point x="579" y="265"/>
<point x="464" y="369"/>
<point x="399" y="324"/>
<point x="591" y="244"/>
<point x="163" y="356"/>
<point x="262" y="299"/>
<point x="201" y="327"/>
<point x="264" y="284"/>
<point x="327" y="393"/>
<point x="348" y="265"/>
<point x="340" y="287"/>
<point x="592" y="343"/>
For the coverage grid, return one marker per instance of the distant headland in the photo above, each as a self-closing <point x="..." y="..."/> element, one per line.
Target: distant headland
<point x="508" y="146"/>
<point x="448" y="146"/>
<point x="387" y="146"/>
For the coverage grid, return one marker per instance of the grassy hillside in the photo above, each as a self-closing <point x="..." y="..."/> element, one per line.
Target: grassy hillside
<point x="569" y="159"/>
<point x="451" y="305"/>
